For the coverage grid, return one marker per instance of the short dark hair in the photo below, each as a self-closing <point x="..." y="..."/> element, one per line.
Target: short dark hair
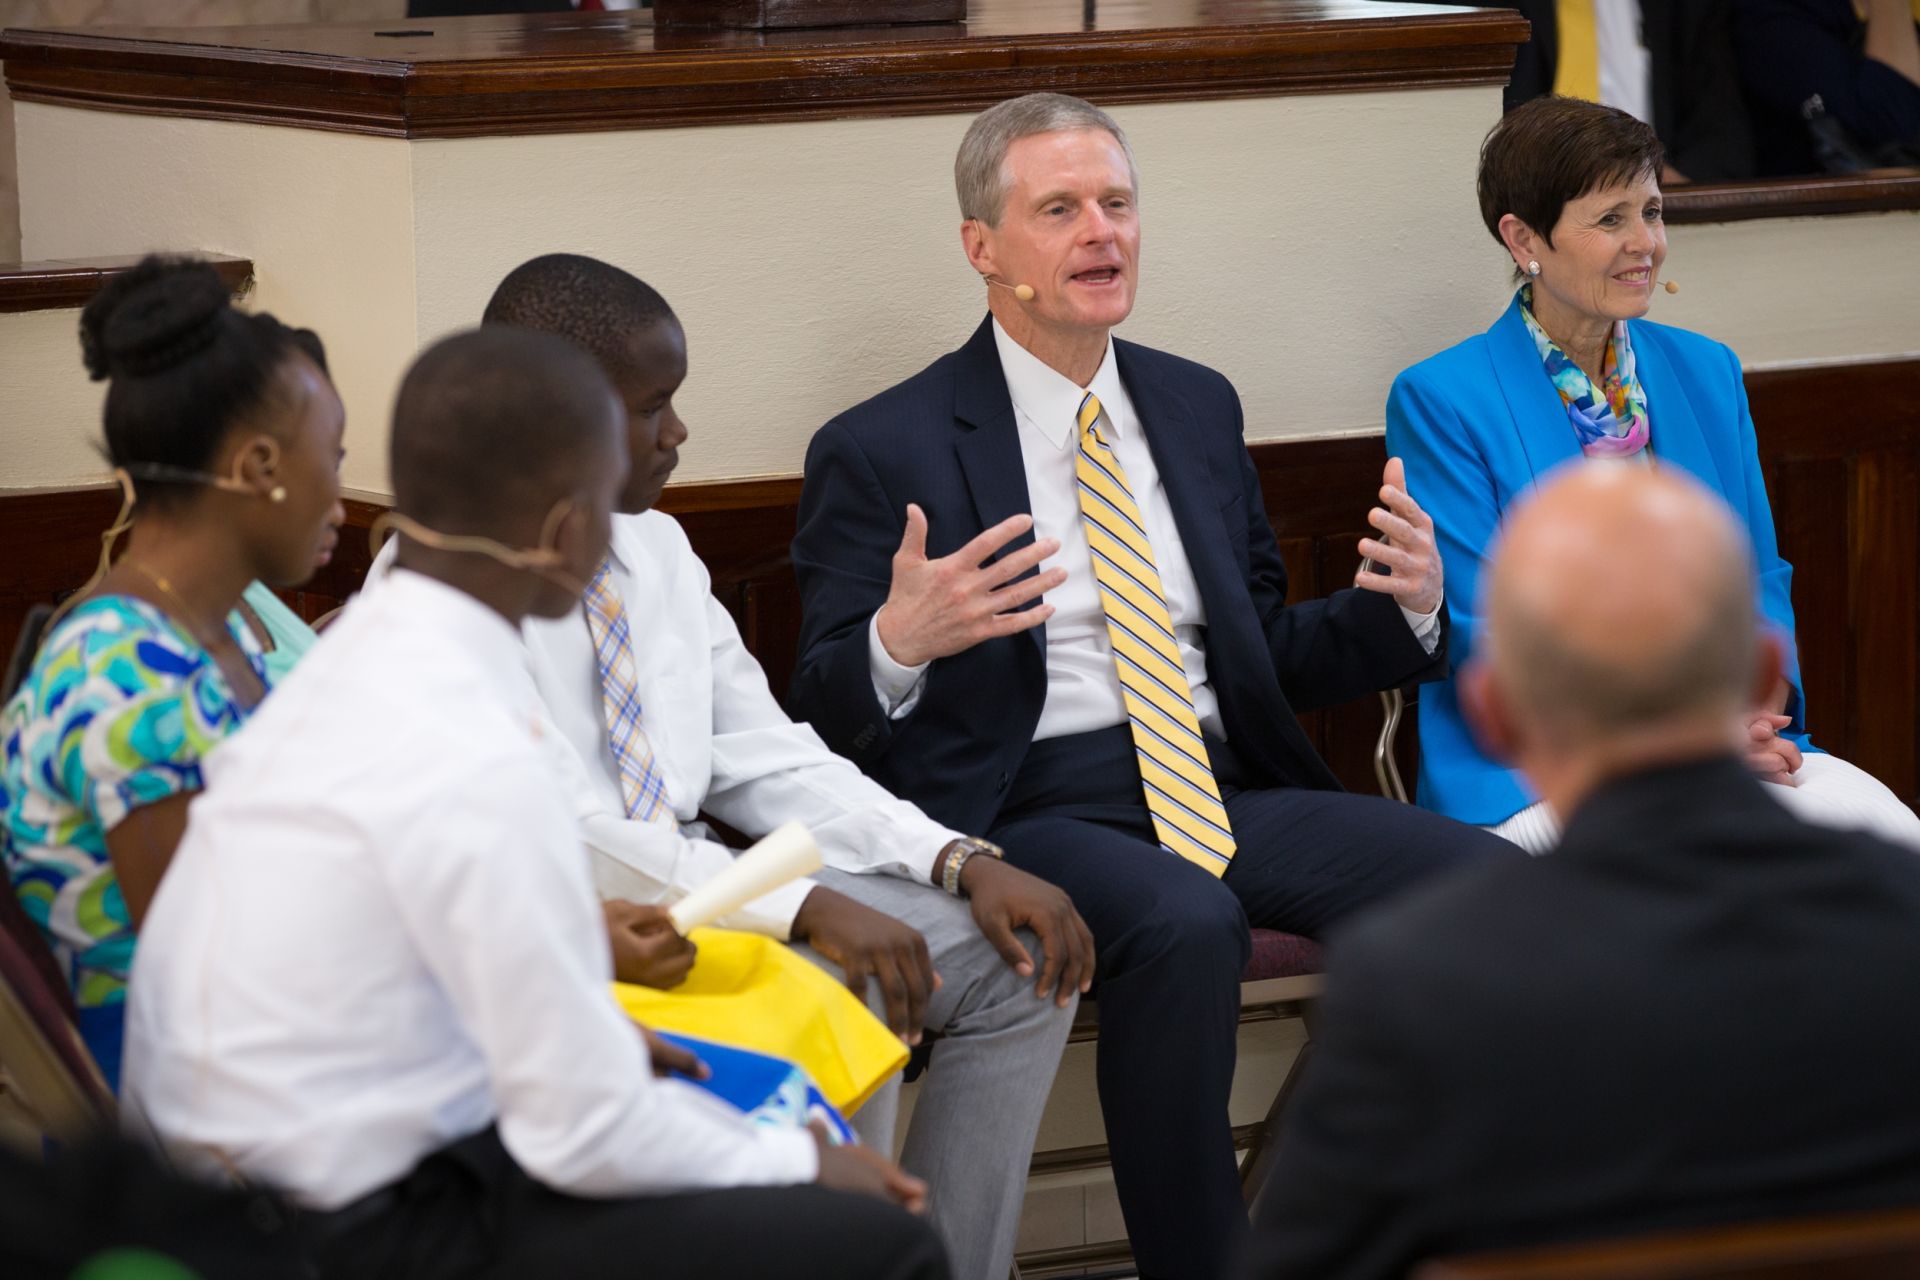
<point x="591" y="303"/>
<point x="487" y="428"/>
<point x="182" y="366"/>
<point x="1551" y="150"/>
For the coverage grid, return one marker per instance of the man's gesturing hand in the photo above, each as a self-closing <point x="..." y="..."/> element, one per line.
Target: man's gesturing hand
<point x="1004" y="898"/>
<point x="1416" y="581"/>
<point x="941" y="607"/>
<point x="866" y="943"/>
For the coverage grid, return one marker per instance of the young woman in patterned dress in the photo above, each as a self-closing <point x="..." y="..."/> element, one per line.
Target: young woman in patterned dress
<point x="225" y="431"/>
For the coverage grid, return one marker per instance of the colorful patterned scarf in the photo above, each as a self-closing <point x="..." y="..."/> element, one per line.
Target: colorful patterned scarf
<point x="1613" y="425"/>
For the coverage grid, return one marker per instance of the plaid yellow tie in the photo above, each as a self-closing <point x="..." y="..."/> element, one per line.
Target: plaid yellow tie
<point x="642" y="785"/>
<point x="1182" y="796"/>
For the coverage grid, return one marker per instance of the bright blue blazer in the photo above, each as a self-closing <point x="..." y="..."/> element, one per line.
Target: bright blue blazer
<point x="1480" y="424"/>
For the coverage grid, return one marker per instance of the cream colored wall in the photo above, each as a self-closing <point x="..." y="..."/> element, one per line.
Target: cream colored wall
<point x="49" y="411"/>
<point x="1309" y="247"/>
<point x="816" y="263"/>
<point x="151" y="13"/>
<point x="1799" y="290"/>
<point x="327" y="219"/>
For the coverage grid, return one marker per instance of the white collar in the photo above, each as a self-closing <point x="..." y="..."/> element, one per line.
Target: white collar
<point x="474" y="627"/>
<point x="1048" y="399"/>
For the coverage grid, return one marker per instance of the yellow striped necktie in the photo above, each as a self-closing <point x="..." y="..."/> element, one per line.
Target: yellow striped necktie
<point x="1576" y="68"/>
<point x="1182" y="796"/>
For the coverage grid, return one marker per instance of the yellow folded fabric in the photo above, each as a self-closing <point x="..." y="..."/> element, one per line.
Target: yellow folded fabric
<point x="754" y="993"/>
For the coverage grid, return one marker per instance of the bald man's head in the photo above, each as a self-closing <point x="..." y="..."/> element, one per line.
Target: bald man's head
<point x="1621" y="602"/>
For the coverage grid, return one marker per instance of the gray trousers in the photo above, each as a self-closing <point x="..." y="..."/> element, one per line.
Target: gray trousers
<point x="980" y="1102"/>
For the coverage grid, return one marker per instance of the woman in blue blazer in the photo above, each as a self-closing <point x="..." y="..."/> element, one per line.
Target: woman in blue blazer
<point x="1572" y="368"/>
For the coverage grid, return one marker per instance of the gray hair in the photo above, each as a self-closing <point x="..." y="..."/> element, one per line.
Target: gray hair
<point x="980" y="169"/>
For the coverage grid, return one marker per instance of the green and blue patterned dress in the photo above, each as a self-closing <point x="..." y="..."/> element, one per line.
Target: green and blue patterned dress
<point x="118" y="711"/>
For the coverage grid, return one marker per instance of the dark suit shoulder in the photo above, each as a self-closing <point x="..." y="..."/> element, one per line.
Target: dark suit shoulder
<point x="1476" y="902"/>
<point x="927" y="394"/>
<point x="1578" y="905"/>
<point x="1173" y="372"/>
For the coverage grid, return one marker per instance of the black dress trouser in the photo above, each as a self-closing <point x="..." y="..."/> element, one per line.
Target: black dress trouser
<point x="468" y="1212"/>
<point x="1172" y="941"/>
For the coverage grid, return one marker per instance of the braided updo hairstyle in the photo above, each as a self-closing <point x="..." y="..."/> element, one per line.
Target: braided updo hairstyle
<point x="182" y="366"/>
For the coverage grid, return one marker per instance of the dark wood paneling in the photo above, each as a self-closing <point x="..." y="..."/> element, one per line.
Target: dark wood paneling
<point x="572" y="72"/>
<point x="1840" y="446"/>
<point x="804" y="13"/>
<point x="68" y="282"/>
<point x="1793" y="197"/>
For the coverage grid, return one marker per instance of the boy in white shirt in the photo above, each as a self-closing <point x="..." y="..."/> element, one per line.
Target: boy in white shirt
<point x="375" y="976"/>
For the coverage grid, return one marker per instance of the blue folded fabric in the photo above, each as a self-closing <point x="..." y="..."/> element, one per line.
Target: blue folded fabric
<point x="768" y="1090"/>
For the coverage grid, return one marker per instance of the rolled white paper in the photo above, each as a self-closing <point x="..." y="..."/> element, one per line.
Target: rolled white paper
<point x="787" y="853"/>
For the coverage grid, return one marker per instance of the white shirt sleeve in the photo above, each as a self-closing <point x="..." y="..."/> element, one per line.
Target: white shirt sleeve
<point x="897" y="687"/>
<point x="651" y="862"/>
<point x="1426" y="626"/>
<point x="768" y="770"/>
<point x="500" y="908"/>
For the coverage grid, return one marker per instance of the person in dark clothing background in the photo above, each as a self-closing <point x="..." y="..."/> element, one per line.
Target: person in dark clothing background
<point x="1861" y="60"/>
<point x="1669" y="62"/>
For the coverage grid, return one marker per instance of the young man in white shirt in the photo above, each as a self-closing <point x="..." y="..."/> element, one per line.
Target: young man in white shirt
<point x="376" y="976"/>
<point x="719" y="744"/>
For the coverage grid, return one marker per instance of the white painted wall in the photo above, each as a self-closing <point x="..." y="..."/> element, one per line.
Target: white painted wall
<point x="326" y="218"/>
<point x="817" y="263"/>
<point x="49" y="412"/>
<point x="1309" y="247"/>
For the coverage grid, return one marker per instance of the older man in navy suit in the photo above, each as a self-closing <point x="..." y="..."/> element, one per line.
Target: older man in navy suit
<point x="1042" y="600"/>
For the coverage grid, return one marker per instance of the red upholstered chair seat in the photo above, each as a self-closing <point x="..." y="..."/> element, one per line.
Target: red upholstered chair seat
<point x="1281" y="955"/>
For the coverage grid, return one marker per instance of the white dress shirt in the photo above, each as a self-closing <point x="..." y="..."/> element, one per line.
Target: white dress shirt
<point x="1083" y="688"/>
<point x="719" y="738"/>
<point x="1626" y="68"/>
<point x="379" y="936"/>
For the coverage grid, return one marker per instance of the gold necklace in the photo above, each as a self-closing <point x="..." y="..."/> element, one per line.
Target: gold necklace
<point x="187" y="619"/>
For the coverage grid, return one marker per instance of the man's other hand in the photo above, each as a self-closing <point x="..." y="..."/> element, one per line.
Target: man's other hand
<point x="940" y="607"/>
<point x="647" y="950"/>
<point x="870" y="944"/>
<point x="1004" y="898"/>
<point x="1408" y="548"/>
<point x="867" y="1173"/>
<point x="1774" y="758"/>
<point x="670" y="1058"/>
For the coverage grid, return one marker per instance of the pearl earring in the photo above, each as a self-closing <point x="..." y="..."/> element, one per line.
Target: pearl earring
<point x="1533" y="267"/>
<point x="277" y="494"/>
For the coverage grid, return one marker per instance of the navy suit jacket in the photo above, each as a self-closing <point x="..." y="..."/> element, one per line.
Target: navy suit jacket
<point x="947" y="439"/>
<point x="1699" y="1009"/>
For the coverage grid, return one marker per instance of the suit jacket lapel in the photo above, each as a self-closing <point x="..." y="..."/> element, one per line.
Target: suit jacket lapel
<point x="1193" y="491"/>
<point x="1545" y="434"/>
<point x="988" y="446"/>
<point x="1676" y="435"/>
